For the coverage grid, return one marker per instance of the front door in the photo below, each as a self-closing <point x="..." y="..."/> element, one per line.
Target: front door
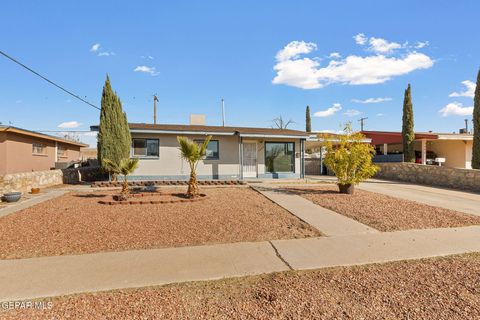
<point x="249" y="160"/>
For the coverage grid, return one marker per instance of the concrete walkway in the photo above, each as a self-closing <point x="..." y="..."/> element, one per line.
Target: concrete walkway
<point x="326" y="221"/>
<point x="450" y="199"/>
<point x="47" y="195"/>
<point x="60" y="275"/>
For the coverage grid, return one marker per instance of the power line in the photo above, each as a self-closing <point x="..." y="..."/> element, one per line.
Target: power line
<point x="49" y="81"/>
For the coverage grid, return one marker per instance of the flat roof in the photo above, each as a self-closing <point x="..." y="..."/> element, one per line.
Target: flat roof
<point x="213" y="130"/>
<point x="36" y="134"/>
<point x="420" y="135"/>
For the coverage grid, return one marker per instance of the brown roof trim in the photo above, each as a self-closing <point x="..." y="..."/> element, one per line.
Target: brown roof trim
<point x="217" y="129"/>
<point x="40" y="135"/>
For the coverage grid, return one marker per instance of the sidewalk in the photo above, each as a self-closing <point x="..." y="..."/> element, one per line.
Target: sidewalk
<point x="61" y="275"/>
<point x="23" y="204"/>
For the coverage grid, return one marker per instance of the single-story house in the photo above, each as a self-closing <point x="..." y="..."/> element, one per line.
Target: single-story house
<point x="24" y="150"/>
<point x="233" y="152"/>
<point x="446" y="149"/>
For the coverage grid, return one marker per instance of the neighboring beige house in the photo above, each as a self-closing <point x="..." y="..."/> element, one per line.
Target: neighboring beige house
<point x="455" y="149"/>
<point x="233" y="152"/>
<point x="23" y="150"/>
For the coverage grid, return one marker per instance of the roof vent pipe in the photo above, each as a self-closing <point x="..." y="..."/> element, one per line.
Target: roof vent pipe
<point x="223" y="112"/>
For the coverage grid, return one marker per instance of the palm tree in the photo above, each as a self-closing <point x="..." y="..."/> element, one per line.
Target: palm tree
<point x="125" y="167"/>
<point x="192" y="152"/>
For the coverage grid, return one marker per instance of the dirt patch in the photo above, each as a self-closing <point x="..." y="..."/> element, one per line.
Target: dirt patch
<point x="383" y="212"/>
<point x="439" y="288"/>
<point x="77" y="223"/>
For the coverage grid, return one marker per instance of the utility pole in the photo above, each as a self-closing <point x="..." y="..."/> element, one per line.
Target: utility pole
<point x="361" y="122"/>
<point x="155" y="99"/>
<point x="466" y="126"/>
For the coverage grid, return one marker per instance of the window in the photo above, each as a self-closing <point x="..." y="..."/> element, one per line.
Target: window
<point x="212" y="149"/>
<point x="61" y="151"/>
<point x="38" y="148"/>
<point x="145" y="147"/>
<point x="280" y="156"/>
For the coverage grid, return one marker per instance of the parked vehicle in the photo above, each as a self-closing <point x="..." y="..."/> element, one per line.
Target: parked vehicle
<point x="431" y="156"/>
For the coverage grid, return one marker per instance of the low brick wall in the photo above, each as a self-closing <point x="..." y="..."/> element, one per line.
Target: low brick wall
<point x="24" y="181"/>
<point x="463" y="179"/>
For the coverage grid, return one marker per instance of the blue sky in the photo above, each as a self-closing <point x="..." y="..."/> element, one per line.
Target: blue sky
<point x="266" y="58"/>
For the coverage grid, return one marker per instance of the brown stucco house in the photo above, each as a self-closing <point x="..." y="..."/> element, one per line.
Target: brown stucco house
<point x="24" y="150"/>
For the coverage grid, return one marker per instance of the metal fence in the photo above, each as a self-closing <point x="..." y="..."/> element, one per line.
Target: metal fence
<point x="388" y="158"/>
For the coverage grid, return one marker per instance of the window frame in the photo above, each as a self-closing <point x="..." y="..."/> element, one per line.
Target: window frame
<point x="200" y="141"/>
<point x="145" y="156"/>
<point x="277" y="142"/>
<point x="65" y="152"/>
<point x="39" y="145"/>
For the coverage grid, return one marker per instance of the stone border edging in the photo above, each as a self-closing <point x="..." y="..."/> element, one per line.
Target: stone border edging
<point x="100" y="184"/>
<point x="201" y="197"/>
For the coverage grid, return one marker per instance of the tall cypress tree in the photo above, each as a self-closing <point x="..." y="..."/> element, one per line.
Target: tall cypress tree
<point x="407" y="127"/>
<point x="114" y="139"/>
<point x="476" y="126"/>
<point x="308" y="120"/>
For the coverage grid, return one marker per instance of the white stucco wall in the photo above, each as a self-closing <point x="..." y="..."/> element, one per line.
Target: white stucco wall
<point x="170" y="165"/>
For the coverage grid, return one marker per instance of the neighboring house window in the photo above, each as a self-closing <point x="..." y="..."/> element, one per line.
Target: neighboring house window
<point x="145" y="147"/>
<point x="280" y="156"/>
<point x="61" y="151"/>
<point x="38" y="148"/>
<point x="212" y="149"/>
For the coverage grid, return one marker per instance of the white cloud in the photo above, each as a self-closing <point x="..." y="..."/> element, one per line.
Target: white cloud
<point x="106" y="53"/>
<point x="372" y="100"/>
<point x="90" y="134"/>
<point x="383" y="46"/>
<point x="469" y="91"/>
<point x="334" y="55"/>
<point x="360" y="39"/>
<point x="147" y="57"/>
<point x="328" y="112"/>
<point x="456" y="109"/>
<point x="306" y="73"/>
<point x="95" y="47"/>
<point x="352" y="113"/>
<point x="421" y="44"/>
<point x="150" y="70"/>
<point x="69" y="124"/>
<point x="294" y="49"/>
<point x="380" y="114"/>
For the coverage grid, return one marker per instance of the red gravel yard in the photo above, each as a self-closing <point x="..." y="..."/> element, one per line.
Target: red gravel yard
<point x="383" y="212"/>
<point x="77" y="223"/>
<point x="439" y="288"/>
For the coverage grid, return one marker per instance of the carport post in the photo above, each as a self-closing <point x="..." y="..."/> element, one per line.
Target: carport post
<point x="385" y="148"/>
<point x="424" y="151"/>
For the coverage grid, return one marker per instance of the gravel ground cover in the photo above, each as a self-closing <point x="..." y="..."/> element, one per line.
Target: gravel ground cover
<point x="438" y="288"/>
<point x="383" y="212"/>
<point x="76" y="223"/>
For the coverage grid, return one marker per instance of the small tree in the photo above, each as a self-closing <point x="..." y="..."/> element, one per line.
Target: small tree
<point x="476" y="126"/>
<point x="114" y="139"/>
<point x="125" y="167"/>
<point x="308" y="120"/>
<point x="350" y="159"/>
<point x="282" y="124"/>
<point x="407" y="127"/>
<point x="192" y="152"/>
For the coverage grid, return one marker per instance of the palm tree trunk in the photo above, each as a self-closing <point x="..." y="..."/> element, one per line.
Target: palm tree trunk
<point x="125" y="190"/>
<point x="192" y="191"/>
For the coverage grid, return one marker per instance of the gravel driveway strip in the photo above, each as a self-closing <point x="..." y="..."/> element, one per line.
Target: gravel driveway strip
<point x="382" y="212"/>
<point x="438" y="288"/>
<point x="77" y="223"/>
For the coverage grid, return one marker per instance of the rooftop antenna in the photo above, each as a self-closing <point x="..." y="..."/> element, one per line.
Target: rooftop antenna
<point x="361" y="120"/>
<point x="223" y="112"/>
<point x="155" y="99"/>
